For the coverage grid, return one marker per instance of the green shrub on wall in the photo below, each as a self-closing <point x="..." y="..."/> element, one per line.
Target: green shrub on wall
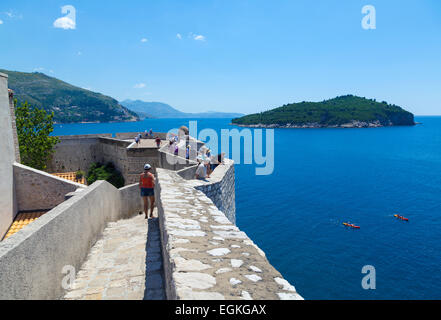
<point x="106" y="172"/>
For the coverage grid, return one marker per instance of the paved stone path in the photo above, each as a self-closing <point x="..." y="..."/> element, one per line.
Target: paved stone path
<point x="125" y="264"/>
<point x="147" y="143"/>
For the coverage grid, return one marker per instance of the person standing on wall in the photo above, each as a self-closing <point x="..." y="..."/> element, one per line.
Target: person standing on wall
<point x="147" y="187"/>
<point x="201" y="171"/>
<point x="158" y="141"/>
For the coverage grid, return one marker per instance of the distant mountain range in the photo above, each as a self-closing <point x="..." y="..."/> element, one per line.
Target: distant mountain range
<point x="69" y="103"/>
<point x="73" y="104"/>
<point x="162" y="110"/>
<point x="342" y="112"/>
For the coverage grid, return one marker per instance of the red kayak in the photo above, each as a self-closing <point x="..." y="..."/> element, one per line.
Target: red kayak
<point x="353" y="226"/>
<point x="400" y="217"/>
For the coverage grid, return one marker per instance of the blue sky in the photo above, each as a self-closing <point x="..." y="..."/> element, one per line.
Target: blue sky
<point x="232" y="55"/>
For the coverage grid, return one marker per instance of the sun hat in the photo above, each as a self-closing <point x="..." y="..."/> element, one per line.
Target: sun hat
<point x="147" y="166"/>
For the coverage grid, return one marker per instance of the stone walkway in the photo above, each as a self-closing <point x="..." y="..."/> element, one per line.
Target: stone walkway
<point x="125" y="264"/>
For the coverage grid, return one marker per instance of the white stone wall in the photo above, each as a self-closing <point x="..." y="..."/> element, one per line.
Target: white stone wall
<point x="37" y="190"/>
<point x="131" y="201"/>
<point x="79" y="152"/>
<point x="14" y="128"/>
<point x="32" y="260"/>
<point x="7" y="158"/>
<point x="220" y="188"/>
<point x="75" y="153"/>
<point x="132" y="135"/>
<point x="205" y="256"/>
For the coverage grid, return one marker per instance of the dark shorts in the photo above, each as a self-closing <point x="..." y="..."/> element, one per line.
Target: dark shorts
<point x="147" y="192"/>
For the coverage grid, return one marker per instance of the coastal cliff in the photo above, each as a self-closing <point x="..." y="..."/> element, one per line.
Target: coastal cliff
<point x="341" y="112"/>
<point x="70" y="104"/>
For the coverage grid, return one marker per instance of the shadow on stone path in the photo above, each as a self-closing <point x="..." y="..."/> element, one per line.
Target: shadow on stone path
<point x="154" y="277"/>
<point x="124" y="264"/>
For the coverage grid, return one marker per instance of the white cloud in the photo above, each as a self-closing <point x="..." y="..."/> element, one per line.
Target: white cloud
<point x="1" y="21"/>
<point x="79" y="53"/>
<point x="198" y="37"/>
<point x="12" y="15"/>
<point x="143" y="40"/>
<point x="179" y="36"/>
<point x="140" y="86"/>
<point x="39" y="69"/>
<point x="65" y="23"/>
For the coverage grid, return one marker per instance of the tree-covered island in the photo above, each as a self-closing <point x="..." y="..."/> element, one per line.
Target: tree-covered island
<point x="342" y="112"/>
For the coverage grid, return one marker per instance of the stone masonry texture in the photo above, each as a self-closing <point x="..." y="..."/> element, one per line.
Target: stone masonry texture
<point x="124" y="264"/>
<point x="205" y="255"/>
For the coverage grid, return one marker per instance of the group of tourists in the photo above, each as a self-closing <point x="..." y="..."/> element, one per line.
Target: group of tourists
<point x="173" y="141"/>
<point x="207" y="163"/>
<point x="148" y="135"/>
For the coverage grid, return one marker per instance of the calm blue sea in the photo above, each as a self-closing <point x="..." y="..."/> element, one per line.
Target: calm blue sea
<point x="324" y="177"/>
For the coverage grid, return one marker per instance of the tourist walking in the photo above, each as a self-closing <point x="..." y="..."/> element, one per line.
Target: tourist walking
<point x="158" y="142"/>
<point x="147" y="187"/>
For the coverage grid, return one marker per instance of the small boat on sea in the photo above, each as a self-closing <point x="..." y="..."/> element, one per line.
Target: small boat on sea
<point x="400" y="217"/>
<point x="351" y="225"/>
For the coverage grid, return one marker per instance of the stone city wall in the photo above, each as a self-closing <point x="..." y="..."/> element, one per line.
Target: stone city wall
<point x="131" y="201"/>
<point x="205" y="256"/>
<point x="14" y="126"/>
<point x="137" y="158"/>
<point x="132" y="135"/>
<point x="221" y="189"/>
<point x="75" y="153"/>
<point x="37" y="190"/>
<point x="114" y="151"/>
<point x="188" y="173"/>
<point x="169" y="161"/>
<point x="32" y="261"/>
<point x="8" y="207"/>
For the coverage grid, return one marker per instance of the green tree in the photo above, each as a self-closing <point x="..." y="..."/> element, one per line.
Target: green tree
<point x="106" y="172"/>
<point x="34" y="127"/>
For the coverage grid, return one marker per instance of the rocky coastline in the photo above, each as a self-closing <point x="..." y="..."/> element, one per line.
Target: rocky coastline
<point x="352" y="124"/>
